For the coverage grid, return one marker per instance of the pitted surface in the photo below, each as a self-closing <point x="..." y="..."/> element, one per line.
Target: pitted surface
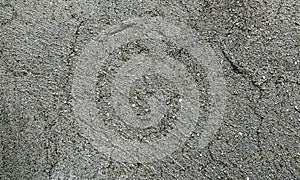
<point x="257" y="43"/>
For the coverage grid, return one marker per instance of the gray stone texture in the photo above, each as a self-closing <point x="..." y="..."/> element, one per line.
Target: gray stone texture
<point x="257" y="41"/>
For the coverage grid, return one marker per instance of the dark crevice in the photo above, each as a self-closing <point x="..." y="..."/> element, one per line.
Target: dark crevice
<point x="76" y="35"/>
<point x="237" y="69"/>
<point x="240" y="70"/>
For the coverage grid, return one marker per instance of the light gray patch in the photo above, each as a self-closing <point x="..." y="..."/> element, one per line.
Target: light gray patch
<point x="124" y="75"/>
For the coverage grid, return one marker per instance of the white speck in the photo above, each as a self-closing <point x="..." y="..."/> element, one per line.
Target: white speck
<point x="180" y="100"/>
<point x="240" y="133"/>
<point x="107" y="114"/>
<point x="133" y="105"/>
<point x="247" y="178"/>
<point x="198" y="74"/>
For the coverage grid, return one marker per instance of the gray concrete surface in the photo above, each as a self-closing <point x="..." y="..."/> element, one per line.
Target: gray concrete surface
<point x="258" y="46"/>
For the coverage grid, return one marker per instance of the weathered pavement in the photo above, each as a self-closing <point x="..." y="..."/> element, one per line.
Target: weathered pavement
<point x="257" y="44"/>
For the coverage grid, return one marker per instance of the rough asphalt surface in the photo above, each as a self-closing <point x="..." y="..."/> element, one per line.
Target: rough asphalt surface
<point x="256" y="41"/>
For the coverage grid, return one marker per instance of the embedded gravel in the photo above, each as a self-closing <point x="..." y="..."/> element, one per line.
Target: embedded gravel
<point x="257" y="41"/>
